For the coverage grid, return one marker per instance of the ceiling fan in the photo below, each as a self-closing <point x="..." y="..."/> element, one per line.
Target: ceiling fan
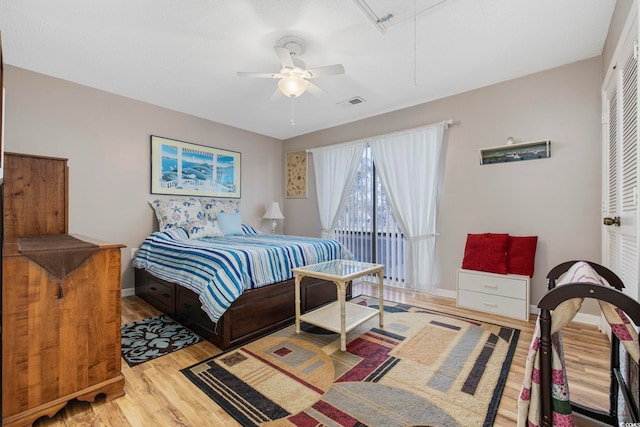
<point x="294" y="77"/>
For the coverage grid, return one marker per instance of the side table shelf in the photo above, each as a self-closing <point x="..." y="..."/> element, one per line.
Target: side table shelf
<point x="328" y="316"/>
<point x="339" y="316"/>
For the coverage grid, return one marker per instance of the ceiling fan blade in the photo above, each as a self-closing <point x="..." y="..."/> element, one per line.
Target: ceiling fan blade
<point x="265" y="75"/>
<point x="315" y="90"/>
<point x="285" y="57"/>
<point x="327" y="70"/>
<point x="276" y="95"/>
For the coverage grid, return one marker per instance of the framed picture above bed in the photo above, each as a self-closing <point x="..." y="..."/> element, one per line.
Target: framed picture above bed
<point x="186" y="169"/>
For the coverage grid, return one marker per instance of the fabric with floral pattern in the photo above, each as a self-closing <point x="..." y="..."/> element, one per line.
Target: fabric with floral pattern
<point x="200" y="229"/>
<point x="175" y="213"/>
<point x="211" y="206"/>
<point x="153" y="337"/>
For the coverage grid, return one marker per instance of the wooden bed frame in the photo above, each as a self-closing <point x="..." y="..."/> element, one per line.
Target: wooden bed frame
<point x="549" y="302"/>
<point x="255" y="313"/>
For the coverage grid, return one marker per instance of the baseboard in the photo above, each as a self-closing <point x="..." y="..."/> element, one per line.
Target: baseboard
<point x="445" y="293"/>
<point x="128" y="292"/>
<point x="588" y="319"/>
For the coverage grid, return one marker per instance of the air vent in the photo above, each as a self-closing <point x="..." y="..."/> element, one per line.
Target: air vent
<point x="350" y="102"/>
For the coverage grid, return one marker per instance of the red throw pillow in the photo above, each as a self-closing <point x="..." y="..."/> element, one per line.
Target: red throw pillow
<point x="486" y="252"/>
<point x="521" y="254"/>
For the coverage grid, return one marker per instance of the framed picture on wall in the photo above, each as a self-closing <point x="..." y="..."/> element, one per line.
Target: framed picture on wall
<point x="296" y="174"/>
<point x="186" y="169"/>
<point x="516" y="152"/>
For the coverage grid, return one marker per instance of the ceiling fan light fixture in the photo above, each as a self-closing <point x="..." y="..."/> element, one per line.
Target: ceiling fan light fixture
<point x="292" y="86"/>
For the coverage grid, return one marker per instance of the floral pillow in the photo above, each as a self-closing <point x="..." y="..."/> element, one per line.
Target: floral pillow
<point x="174" y="213"/>
<point x="211" y="206"/>
<point x="201" y="228"/>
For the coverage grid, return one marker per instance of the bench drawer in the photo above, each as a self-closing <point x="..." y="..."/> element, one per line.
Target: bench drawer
<point x="501" y="294"/>
<point x="513" y="286"/>
<point x="502" y="306"/>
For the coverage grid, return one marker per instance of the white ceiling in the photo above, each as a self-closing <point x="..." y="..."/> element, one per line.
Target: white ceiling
<point x="185" y="55"/>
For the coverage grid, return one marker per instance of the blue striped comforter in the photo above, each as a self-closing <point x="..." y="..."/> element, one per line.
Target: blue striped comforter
<point x="219" y="269"/>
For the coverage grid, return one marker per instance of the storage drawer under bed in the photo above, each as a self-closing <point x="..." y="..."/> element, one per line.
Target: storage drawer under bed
<point x="253" y="314"/>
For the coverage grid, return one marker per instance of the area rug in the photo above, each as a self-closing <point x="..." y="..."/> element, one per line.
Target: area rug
<point x="423" y="368"/>
<point x="150" y="338"/>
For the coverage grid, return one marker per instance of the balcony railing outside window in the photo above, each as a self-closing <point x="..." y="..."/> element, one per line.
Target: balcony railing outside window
<point x="367" y="227"/>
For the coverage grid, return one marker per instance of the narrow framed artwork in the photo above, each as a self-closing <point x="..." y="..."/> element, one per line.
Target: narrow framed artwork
<point x="516" y="152"/>
<point x="187" y="169"/>
<point x="296" y="174"/>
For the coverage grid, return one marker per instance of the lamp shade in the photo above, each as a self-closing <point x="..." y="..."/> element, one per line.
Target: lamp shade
<point x="292" y="86"/>
<point x="273" y="212"/>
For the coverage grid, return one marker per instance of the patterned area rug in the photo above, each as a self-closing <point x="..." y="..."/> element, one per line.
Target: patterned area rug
<point x="424" y="368"/>
<point x="153" y="337"/>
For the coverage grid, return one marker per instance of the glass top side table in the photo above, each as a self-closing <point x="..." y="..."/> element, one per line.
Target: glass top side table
<point x="339" y="316"/>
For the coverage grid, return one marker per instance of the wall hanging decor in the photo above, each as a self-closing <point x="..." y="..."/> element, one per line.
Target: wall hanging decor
<point x="516" y="152"/>
<point x="187" y="169"/>
<point x="296" y="174"/>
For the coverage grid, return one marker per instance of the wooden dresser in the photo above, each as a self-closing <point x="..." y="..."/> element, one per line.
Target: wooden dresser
<point x="60" y="336"/>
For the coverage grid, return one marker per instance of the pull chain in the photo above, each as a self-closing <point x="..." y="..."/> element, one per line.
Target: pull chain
<point x="292" y="111"/>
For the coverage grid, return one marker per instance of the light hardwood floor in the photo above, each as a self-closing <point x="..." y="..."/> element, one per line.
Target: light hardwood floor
<point x="158" y="394"/>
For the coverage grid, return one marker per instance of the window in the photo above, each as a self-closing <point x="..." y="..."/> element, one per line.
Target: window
<point x="367" y="211"/>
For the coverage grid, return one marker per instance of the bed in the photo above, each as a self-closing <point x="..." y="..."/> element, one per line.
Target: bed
<point x="545" y="398"/>
<point x="229" y="287"/>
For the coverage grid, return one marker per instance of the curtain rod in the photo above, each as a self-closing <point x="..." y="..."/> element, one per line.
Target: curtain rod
<point x="445" y="123"/>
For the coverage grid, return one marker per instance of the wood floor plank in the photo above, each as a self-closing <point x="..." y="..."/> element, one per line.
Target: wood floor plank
<point x="158" y="394"/>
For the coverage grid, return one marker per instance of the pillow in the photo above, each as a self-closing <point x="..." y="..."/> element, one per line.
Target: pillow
<point x="211" y="206"/>
<point x="201" y="228"/>
<point x="249" y="229"/>
<point x="175" y="233"/>
<point x="486" y="252"/>
<point x="521" y="254"/>
<point x="174" y="213"/>
<point x="230" y="224"/>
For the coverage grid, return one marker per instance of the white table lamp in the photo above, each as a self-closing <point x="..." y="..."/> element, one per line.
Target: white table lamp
<point x="273" y="213"/>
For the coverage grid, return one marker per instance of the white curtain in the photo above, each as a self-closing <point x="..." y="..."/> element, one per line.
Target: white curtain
<point x="335" y="169"/>
<point x="410" y="165"/>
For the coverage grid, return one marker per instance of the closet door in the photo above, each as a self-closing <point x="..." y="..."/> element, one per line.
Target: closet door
<point x="620" y="168"/>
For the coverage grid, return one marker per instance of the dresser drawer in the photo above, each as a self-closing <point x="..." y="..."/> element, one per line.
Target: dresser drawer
<point x="503" y="306"/>
<point x="513" y="286"/>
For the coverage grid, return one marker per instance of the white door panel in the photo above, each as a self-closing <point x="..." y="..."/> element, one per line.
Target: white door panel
<point x="620" y="167"/>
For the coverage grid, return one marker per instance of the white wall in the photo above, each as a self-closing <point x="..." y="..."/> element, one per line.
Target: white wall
<point x="106" y="139"/>
<point x="557" y="199"/>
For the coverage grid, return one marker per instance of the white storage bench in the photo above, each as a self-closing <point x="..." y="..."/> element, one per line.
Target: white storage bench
<point x="501" y="294"/>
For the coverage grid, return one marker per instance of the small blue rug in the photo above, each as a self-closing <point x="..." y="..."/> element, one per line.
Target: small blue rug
<point x="150" y="338"/>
